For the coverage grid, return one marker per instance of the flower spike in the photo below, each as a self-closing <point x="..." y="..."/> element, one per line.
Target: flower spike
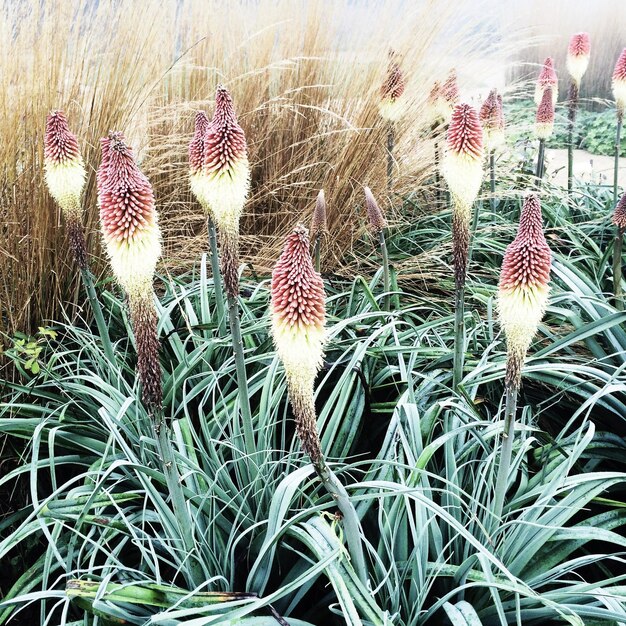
<point x="375" y="216"/>
<point x="524" y="287"/>
<point x="390" y="106"/>
<point x="619" y="215"/>
<point x="619" y="83"/>
<point x="578" y="53"/>
<point x="319" y="226"/>
<point x="544" y="125"/>
<point x="547" y="79"/>
<point x="196" y="157"/>
<point x="492" y="121"/>
<point x="298" y="314"/>
<point x="65" y="177"/>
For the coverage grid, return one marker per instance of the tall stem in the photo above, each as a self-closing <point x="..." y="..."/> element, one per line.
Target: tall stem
<point x="572" y="106"/>
<point x="617" y="269"/>
<point x="618" y="136"/>
<point x="459" y="335"/>
<point x="437" y="174"/>
<point x="390" y="143"/>
<point x="540" y="159"/>
<point x="492" y="179"/>
<point x="317" y="252"/>
<point x="460" y="253"/>
<point x="217" y="279"/>
<point x="506" y="451"/>
<point x="103" y="330"/>
<point x="242" y="380"/>
<point x="350" y="517"/>
<point x="386" y="276"/>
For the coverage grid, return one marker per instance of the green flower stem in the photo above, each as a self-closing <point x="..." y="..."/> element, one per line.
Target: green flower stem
<point x="316" y="252"/>
<point x="103" y="330"/>
<point x="540" y="161"/>
<point x="617" y="269"/>
<point x="195" y="576"/>
<point x="386" y="275"/>
<point x="242" y="380"/>
<point x="492" y="180"/>
<point x="217" y="279"/>
<point x="618" y="136"/>
<point x="350" y="517"/>
<point x="572" y="106"/>
<point x="437" y="174"/>
<point x="391" y="136"/>
<point x="459" y="334"/>
<point x="506" y="451"/>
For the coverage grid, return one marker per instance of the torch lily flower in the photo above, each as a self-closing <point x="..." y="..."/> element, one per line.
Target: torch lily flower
<point x="298" y="314"/>
<point x="492" y="120"/>
<point x="375" y="216"/>
<point x="462" y="165"/>
<point x="196" y="157"/>
<point x="319" y="225"/>
<point x="524" y="287"/>
<point x="390" y="106"/>
<point x="132" y="238"/>
<point x="544" y="125"/>
<point x="619" y="214"/>
<point x="65" y="177"/>
<point x="578" y="53"/>
<point x="225" y="181"/>
<point x="547" y="80"/>
<point x="619" y="83"/>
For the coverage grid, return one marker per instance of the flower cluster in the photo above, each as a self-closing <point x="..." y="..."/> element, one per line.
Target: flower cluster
<point x="524" y="286"/>
<point x="319" y="226"/>
<point x="619" y="83"/>
<point x="298" y="315"/>
<point x="547" y="80"/>
<point x="578" y="53"/>
<point x="443" y="98"/>
<point x="619" y="215"/>
<point x="391" y="91"/>
<point x="544" y="121"/>
<point x="492" y="120"/>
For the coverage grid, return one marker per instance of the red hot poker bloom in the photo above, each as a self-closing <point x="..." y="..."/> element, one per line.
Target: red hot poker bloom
<point x="619" y="215"/>
<point x="492" y="121"/>
<point x="319" y="225"/>
<point x="64" y="170"/>
<point x="196" y="157"/>
<point x="619" y="82"/>
<point x="547" y="79"/>
<point x="545" y="115"/>
<point x="462" y="165"/>
<point x="375" y="216"/>
<point x="127" y="215"/>
<point x="298" y="316"/>
<point x="578" y="53"/>
<point x="524" y="286"/>
<point x="391" y="91"/>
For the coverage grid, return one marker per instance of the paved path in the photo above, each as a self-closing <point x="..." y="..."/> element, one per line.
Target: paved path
<point x="590" y="167"/>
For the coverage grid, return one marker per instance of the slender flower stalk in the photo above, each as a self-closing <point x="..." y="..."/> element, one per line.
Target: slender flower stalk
<point x="224" y="185"/>
<point x="619" y="92"/>
<point x="65" y="177"/>
<point x="196" y="174"/>
<point x="547" y="80"/>
<point x="319" y="227"/>
<point x="298" y="314"/>
<point x="492" y="120"/>
<point x="391" y="107"/>
<point x="578" y="53"/>
<point x="463" y="171"/>
<point x="544" y="127"/>
<point x="377" y="224"/>
<point x="522" y="298"/>
<point x="132" y="238"/>
<point x="619" y="219"/>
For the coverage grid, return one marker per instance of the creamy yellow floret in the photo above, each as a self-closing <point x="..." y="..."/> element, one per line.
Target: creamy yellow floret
<point x="135" y="262"/>
<point x="225" y="193"/>
<point x="544" y="130"/>
<point x="619" y="91"/>
<point x="520" y="311"/>
<point x="577" y="66"/>
<point x="463" y="176"/>
<point x="493" y="138"/>
<point x="66" y="182"/>
<point x="391" y="110"/>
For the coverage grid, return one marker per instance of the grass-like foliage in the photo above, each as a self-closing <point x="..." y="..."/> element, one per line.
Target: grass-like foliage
<point x="107" y="547"/>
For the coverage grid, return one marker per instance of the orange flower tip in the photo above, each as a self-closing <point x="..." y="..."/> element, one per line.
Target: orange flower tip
<point x="492" y="120"/>
<point x="375" y="216"/>
<point x="578" y="53"/>
<point x="390" y="106"/>
<point x="223" y="183"/>
<point x="463" y="159"/>
<point x="544" y="125"/>
<point x="547" y="79"/>
<point x="128" y="216"/>
<point x="619" y="215"/>
<point x="64" y="170"/>
<point x="619" y="81"/>
<point x="298" y="310"/>
<point x="318" y="223"/>
<point x="524" y="279"/>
